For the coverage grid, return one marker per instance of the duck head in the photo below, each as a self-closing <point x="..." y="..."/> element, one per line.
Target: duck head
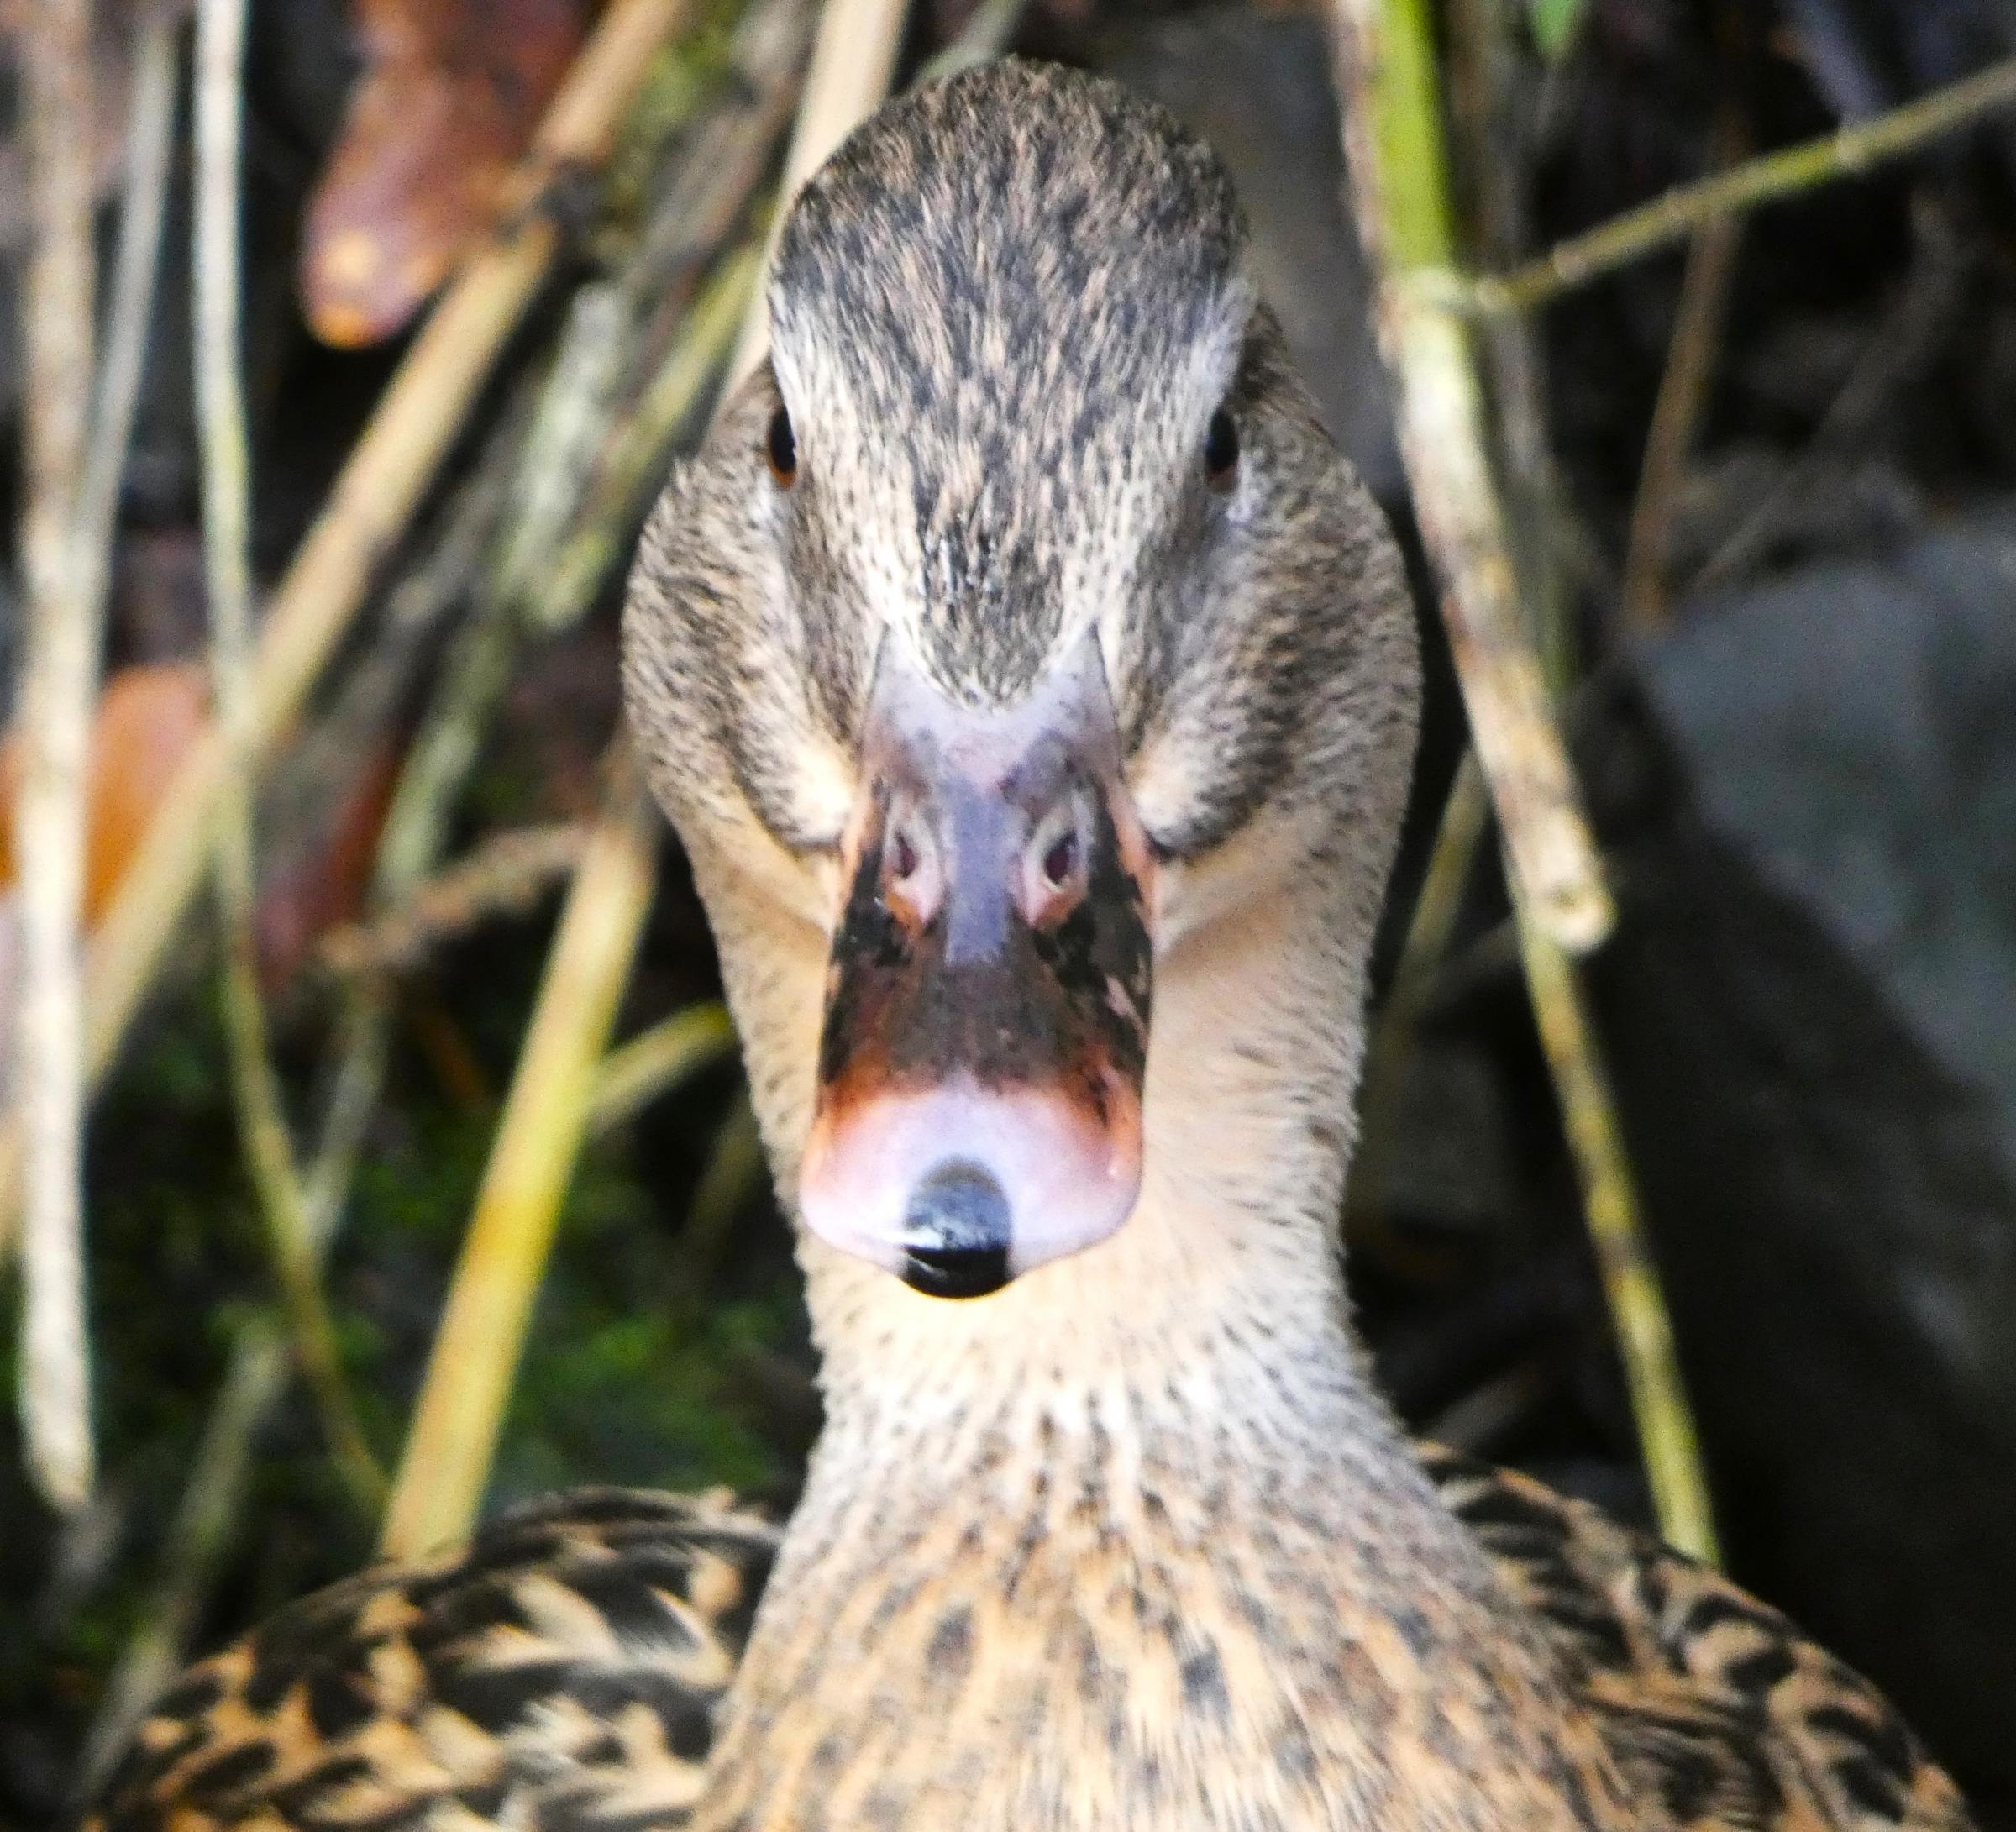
<point x="1033" y="687"/>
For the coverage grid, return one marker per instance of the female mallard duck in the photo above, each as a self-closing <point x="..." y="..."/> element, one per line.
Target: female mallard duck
<point x="1033" y="688"/>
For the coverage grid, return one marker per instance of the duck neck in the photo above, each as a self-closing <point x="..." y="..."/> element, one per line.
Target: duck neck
<point x="1143" y="1505"/>
<point x="1217" y="1312"/>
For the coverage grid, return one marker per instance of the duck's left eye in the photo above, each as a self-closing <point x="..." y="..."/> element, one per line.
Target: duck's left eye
<point x="1221" y="451"/>
<point x="780" y="447"/>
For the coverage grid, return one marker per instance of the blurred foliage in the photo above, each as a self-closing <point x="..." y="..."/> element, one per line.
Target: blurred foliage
<point x="1554" y="24"/>
<point x="632" y="1375"/>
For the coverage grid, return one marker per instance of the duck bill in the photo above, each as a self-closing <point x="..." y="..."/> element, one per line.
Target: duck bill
<point x="986" y="1025"/>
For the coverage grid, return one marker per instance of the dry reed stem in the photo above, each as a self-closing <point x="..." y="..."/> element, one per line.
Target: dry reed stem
<point x="1666" y="1437"/>
<point x="658" y="1060"/>
<point x="58" y="687"/>
<point x="854" y="62"/>
<point x="987" y="33"/>
<point x="581" y="490"/>
<point x="129" y="312"/>
<point x="1486" y="41"/>
<point x="734" y="1171"/>
<point x="370" y="505"/>
<point x="504" y="874"/>
<point x="1848" y="153"/>
<point x="150" y="134"/>
<point x="482" y="1331"/>
<point x="227" y="494"/>
<point x="1711" y="265"/>
<point x="476" y="1351"/>
<point x="573" y="575"/>
<point x="1393" y="136"/>
<point x="1394" y="126"/>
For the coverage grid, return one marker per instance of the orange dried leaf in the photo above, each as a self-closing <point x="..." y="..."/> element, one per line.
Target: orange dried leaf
<point x="147" y="719"/>
<point x="451" y="93"/>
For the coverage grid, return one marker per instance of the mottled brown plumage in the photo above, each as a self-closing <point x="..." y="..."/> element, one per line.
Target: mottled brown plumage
<point x="462" y="1695"/>
<point x="1131" y="1543"/>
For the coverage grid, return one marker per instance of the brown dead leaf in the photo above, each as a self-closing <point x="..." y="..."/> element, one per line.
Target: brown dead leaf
<point x="147" y="719"/>
<point x="451" y="93"/>
<point x="324" y="884"/>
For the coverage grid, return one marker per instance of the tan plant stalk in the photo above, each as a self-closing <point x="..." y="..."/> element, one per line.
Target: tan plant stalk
<point x="58" y="688"/>
<point x="477" y="1347"/>
<point x="129" y="312"/>
<point x="854" y="62"/>
<point x="56" y="1369"/>
<point x="1392" y="109"/>
<point x="1683" y="391"/>
<point x="1859" y="148"/>
<point x="504" y="875"/>
<point x="226" y="463"/>
<point x="1387" y="71"/>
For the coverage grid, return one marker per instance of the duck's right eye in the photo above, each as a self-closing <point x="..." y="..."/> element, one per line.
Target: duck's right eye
<point x="1221" y="452"/>
<point x="780" y="447"/>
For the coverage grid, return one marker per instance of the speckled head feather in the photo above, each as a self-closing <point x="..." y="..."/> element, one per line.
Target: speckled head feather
<point x="1041" y="281"/>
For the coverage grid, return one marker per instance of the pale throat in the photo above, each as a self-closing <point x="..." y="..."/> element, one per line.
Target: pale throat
<point x="1177" y="1421"/>
<point x="1222" y="1295"/>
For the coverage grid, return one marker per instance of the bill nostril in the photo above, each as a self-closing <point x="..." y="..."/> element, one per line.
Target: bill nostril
<point x="958" y="1206"/>
<point x="956" y="1225"/>
<point x="912" y="871"/>
<point x="1054" y="864"/>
